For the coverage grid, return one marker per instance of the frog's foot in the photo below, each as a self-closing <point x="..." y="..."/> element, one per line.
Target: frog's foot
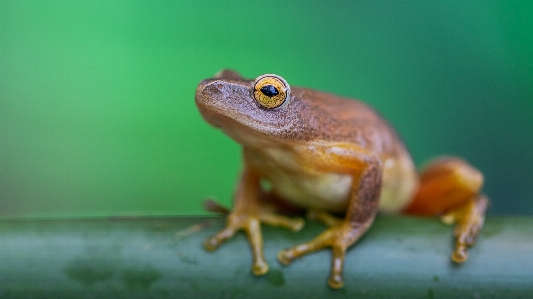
<point x="251" y="226"/>
<point x="322" y="216"/>
<point x="274" y="219"/>
<point x="266" y="216"/>
<point x="469" y="220"/>
<point x="250" y="223"/>
<point x="212" y="206"/>
<point x="451" y="187"/>
<point x="339" y="237"/>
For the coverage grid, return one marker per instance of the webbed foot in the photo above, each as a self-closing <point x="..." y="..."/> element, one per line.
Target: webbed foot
<point x="451" y="187"/>
<point x="469" y="220"/>
<point x="339" y="236"/>
<point x="250" y="222"/>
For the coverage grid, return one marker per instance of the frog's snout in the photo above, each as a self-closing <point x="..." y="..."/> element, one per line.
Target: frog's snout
<point x="203" y="93"/>
<point x="207" y="89"/>
<point x="207" y="99"/>
<point x="201" y="87"/>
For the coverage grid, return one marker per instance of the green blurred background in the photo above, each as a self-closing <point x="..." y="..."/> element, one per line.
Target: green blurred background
<point x="97" y="113"/>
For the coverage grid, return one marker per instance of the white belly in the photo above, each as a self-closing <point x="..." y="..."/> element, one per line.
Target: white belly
<point x="324" y="191"/>
<point x="309" y="188"/>
<point x="398" y="184"/>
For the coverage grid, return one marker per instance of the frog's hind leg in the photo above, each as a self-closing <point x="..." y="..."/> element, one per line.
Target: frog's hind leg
<point x="450" y="187"/>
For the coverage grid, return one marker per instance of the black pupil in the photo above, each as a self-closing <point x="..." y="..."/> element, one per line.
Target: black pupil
<point x="269" y="90"/>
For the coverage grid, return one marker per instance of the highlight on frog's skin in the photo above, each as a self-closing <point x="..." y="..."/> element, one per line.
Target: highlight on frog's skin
<point x="271" y="91"/>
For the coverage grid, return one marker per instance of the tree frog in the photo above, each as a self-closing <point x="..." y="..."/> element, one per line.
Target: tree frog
<point x="335" y="158"/>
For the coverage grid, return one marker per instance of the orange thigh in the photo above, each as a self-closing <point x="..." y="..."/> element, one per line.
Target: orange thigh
<point x="445" y="184"/>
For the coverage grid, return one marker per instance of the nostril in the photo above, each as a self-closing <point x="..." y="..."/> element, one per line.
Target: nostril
<point x="201" y="86"/>
<point x="214" y="88"/>
<point x="209" y="86"/>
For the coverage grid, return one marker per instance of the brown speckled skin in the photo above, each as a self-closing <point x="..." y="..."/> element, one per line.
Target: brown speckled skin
<point x="314" y="134"/>
<point x="326" y="153"/>
<point x="311" y="115"/>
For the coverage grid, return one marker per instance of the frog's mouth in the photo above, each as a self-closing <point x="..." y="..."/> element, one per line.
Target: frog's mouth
<point x="236" y="127"/>
<point x="223" y="109"/>
<point x="230" y="106"/>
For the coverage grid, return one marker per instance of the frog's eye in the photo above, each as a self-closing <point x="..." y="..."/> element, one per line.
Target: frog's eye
<point x="271" y="91"/>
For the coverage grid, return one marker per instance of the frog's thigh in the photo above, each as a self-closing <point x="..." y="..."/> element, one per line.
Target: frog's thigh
<point x="450" y="187"/>
<point x="446" y="184"/>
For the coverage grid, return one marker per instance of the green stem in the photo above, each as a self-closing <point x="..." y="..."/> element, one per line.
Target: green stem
<point x="163" y="257"/>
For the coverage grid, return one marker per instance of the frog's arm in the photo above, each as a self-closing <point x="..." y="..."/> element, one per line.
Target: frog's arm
<point x="366" y="171"/>
<point x="247" y="214"/>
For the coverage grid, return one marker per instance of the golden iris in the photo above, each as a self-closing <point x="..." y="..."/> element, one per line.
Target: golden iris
<point x="271" y="91"/>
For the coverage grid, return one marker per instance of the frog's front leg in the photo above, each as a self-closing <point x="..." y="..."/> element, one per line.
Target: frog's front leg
<point x="366" y="171"/>
<point x="247" y="214"/>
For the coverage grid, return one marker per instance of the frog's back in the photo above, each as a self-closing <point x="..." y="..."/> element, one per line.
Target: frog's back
<point x="349" y="120"/>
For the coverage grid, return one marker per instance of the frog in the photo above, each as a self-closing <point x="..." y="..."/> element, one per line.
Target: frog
<point x="334" y="158"/>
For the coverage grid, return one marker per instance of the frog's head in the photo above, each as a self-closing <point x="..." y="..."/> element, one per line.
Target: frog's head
<point x="251" y="111"/>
